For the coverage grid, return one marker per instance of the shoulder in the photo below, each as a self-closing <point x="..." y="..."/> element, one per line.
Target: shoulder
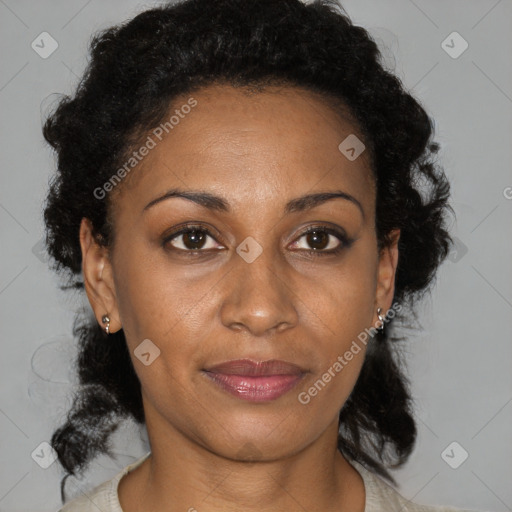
<point x="104" y="497"/>
<point x="100" y="498"/>
<point x="381" y="497"/>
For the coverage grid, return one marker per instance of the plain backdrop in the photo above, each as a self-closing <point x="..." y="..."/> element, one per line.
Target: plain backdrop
<point x="459" y="361"/>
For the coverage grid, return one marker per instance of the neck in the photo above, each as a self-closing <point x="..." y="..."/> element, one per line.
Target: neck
<point x="184" y="475"/>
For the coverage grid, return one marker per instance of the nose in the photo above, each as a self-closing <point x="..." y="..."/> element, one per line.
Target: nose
<point x="259" y="297"/>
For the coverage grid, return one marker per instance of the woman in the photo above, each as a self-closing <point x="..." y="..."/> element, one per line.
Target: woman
<point x="248" y="199"/>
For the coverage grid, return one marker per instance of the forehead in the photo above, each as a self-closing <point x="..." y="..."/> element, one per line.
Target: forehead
<point x="252" y="147"/>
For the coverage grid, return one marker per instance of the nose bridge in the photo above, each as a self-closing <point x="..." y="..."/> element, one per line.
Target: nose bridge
<point x="259" y="297"/>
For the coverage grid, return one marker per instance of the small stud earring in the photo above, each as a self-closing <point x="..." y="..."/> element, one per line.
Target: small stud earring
<point x="106" y="320"/>
<point x="381" y="320"/>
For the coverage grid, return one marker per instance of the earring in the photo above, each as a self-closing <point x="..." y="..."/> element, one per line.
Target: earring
<point x="106" y="320"/>
<point x="381" y="320"/>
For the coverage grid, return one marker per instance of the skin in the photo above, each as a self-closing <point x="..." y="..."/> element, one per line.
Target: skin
<point x="257" y="151"/>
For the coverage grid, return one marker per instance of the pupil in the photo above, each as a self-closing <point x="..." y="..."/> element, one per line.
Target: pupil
<point x="193" y="238"/>
<point x="317" y="237"/>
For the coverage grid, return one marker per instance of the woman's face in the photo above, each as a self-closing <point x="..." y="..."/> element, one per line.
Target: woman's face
<point x="246" y="282"/>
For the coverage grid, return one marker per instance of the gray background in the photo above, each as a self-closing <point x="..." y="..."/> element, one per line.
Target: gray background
<point x="460" y="359"/>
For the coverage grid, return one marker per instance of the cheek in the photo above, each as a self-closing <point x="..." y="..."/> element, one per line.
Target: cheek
<point x="156" y="298"/>
<point x="178" y="307"/>
<point x="168" y="305"/>
<point x="341" y="312"/>
<point x="139" y="292"/>
<point x="345" y="301"/>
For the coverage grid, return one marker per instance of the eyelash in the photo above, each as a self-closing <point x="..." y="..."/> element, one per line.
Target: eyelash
<point x="345" y="243"/>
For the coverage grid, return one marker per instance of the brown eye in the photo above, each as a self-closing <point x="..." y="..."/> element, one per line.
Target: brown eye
<point x="323" y="241"/>
<point x="317" y="240"/>
<point x="194" y="239"/>
<point x="190" y="239"/>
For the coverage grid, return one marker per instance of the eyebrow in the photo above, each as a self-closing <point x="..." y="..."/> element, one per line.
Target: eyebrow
<point x="216" y="203"/>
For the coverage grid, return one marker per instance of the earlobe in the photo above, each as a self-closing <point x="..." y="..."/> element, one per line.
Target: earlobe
<point x="98" y="279"/>
<point x="388" y="262"/>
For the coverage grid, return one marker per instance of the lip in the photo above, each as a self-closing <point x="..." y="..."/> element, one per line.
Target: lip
<point x="256" y="368"/>
<point x="256" y="381"/>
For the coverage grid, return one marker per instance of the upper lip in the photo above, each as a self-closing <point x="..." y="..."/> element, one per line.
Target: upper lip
<point x="256" y="368"/>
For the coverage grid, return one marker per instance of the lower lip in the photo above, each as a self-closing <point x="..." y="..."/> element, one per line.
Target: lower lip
<point x="255" y="389"/>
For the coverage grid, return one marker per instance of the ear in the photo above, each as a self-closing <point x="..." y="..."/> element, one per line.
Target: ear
<point x="388" y="261"/>
<point x="98" y="277"/>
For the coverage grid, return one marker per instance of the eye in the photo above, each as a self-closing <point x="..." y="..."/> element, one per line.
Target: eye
<point x="324" y="240"/>
<point x="190" y="239"/>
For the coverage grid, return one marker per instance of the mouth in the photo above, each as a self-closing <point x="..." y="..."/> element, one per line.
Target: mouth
<point x="256" y="381"/>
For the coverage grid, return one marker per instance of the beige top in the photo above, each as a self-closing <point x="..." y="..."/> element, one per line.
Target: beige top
<point x="380" y="497"/>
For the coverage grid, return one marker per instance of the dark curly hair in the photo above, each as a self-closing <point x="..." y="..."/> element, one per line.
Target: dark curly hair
<point x="136" y="71"/>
